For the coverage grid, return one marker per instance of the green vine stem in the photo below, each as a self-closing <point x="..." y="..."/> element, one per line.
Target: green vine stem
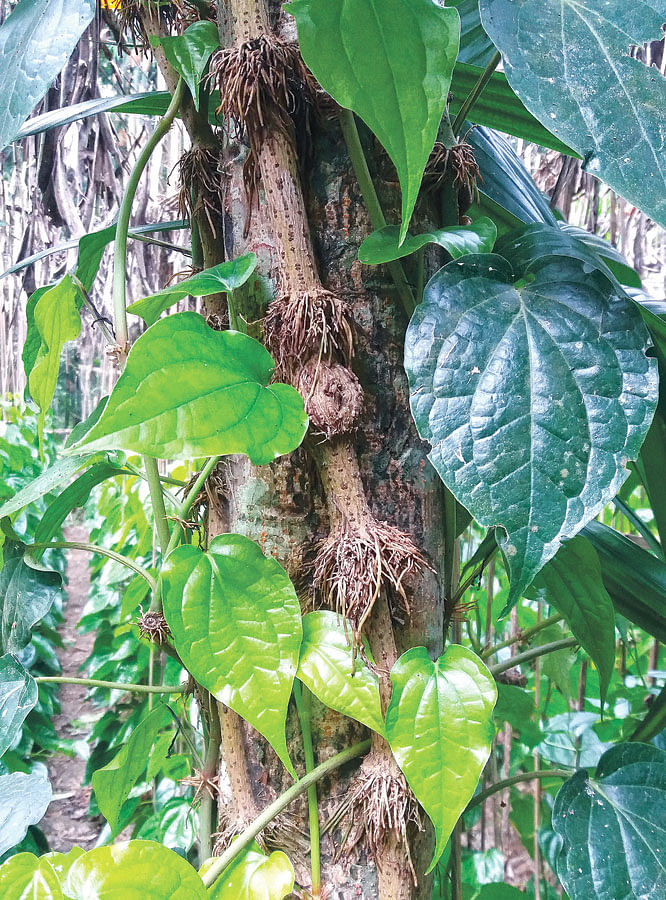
<point x="523" y="635"/>
<point x="190" y="497"/>
<point x="125" y="211"/>
<point x="522" y="777"/>
<point x="157" y="502"/>
<point x="275" y="808"/>
<point x="208" y="805"/>
<point x="302" y="698"/>
<point x="377" y="218"/>
<point x="114" y="685"/>
<point x="476" y="92"/>
<point x="103" y="551"/>
<point x="534" y="653"/>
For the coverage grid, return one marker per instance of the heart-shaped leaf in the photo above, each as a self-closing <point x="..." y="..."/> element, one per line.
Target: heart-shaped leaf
<point x="112" y="784"/>
<point x="190" y="51"/>
<point x="255" y="876"/>
<point x="23" y="802"/>
<point x="384" y="245"/>
<point x="236" y="623"/>
<point x="439" y="724"/>
<point x="613" y="827"/>
<point x="133" y="870"/>
<point x="61" y="863"/>
<point x="27" y="593"/>
<point x="572" y="583"/>
<point x="228" y="276"/>
<point x="570" y="64"/>
<point x="36" y="41"/>
<point x="327" y="668"/>
<point x="534" y="419"/>
<point x="18" y="695"/>
<point x="27" y="876"/>
<point x="189" y="391"/>
<point x="391" y="62"/>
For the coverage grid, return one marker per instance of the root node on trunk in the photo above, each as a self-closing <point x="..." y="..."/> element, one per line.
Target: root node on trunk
<point x="202" y="178"/>
<point x="458" y="164"/>
<point x="333" y="396"/>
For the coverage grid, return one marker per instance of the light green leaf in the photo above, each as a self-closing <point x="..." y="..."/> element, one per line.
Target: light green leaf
<point x="572" y="583"/>
<point x="82" y="428"/>
<point x="47" y="481"/>
<point x="391" y="62"/>
<point x="190" y="51"/>
<point x="27" y="592"/>
<point x="570" y="64"/>
<point x="532" y="421"/>
<point x="383" y="245"/>
<point x="327" y="668"/>
<point x="188" y="391"/>
<point x="57" y="320"/>
<point x="33" y="340"/>
<point x="133" y="870"/>
<point x="254" y="876"/>
<point x="228" y="276"/>
<point x="23" y="802"/>
<point x="557" y="665"/>
<point x="439" y="724"/>
<point x="27" y="877"/>
<point x="236" y="623"/>
<point x="36" y="41"/>
<point x="61" y="863"/>
<point x="18" y="695"/>
<point x="112" y="783"/>
<point x="613" y="827"/>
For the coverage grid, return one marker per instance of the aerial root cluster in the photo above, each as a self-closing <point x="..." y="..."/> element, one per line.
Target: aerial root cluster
<point x="353" y="565"/>
<point x="303" y="324"/>
<point x="380" y="802"/>
<point x="332" y="394"/>
<point x="202" y="178"/>
<point x="137" y="19"/>
<point x="262" y="82"/>
<point x="458" y="163"/>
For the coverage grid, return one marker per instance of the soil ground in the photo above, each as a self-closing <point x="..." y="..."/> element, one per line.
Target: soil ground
<point x="66" y="822"/>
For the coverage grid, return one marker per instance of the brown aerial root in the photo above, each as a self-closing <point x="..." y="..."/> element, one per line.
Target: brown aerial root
<point x="459" y="163"/>
<point x="354" y="564"/>
<point x="209" y="495"/>
<point x="380" y="802"/>
<point x="153" y="625"/>
<point x="201" y="178"/>
<point x="136" y="18"/>
<point x="202" y="784"/>
<point x="332" y="394"/>
<point x="307" y="323"/>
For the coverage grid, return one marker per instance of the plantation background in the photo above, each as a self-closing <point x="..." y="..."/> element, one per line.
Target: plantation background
<point x="59" y="185"/>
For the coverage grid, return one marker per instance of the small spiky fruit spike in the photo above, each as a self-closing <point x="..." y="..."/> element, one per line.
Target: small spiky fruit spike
<point x="153" y="625"/>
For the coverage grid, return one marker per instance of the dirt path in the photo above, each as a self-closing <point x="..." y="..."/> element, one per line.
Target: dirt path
<point x="65" y="823"/>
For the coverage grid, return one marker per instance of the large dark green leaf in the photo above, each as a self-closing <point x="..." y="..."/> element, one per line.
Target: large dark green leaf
<point x="133" y="870"/>
<point x="227" y="276"/>
<point x="612" y="257"/>
<point x="27" y="877"/>
<point x="27" y="593"/>
<point x="255" y="876"/>
<point x="112" y="784"/>
<point x="613" y="827"/>
<point x="391" y="62"/>
<point x="569" y="63"/>
<point x="384" y="245"/>
<point x="532" y="420"/>
<point x="475" y="45"/>
<point x="236" y="623"/>
<point x="634" y="578"/>
<point x="327" y="668"/>
<point x="35" y="43"/>
<point x="572" y="583"/>
<point x="23" y="802"/>
<point x="189" y="391"/>
<point x="18" y="695"/>
<point x="439" y="724"/>
<point x="651" y="466"/>
<point x="190" y="51"/>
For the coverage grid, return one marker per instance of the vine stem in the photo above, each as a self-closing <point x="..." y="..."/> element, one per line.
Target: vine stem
<point x="124" y="213"/>
<point x="377" y="218"/>
<point x="523" y="636"/>
<point x="113" y="685"/>
<point x="190" y="497"/>
<point x="157" y="502"/>
<point x="476" y="92"/>
<point x="209" y="771"/>
<point x="103" y="551"/>
<point x="534" y="653"/>
<point x="275" y="808"/>
<point x="302" y="698"/>
<point x="516" y="779"/>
